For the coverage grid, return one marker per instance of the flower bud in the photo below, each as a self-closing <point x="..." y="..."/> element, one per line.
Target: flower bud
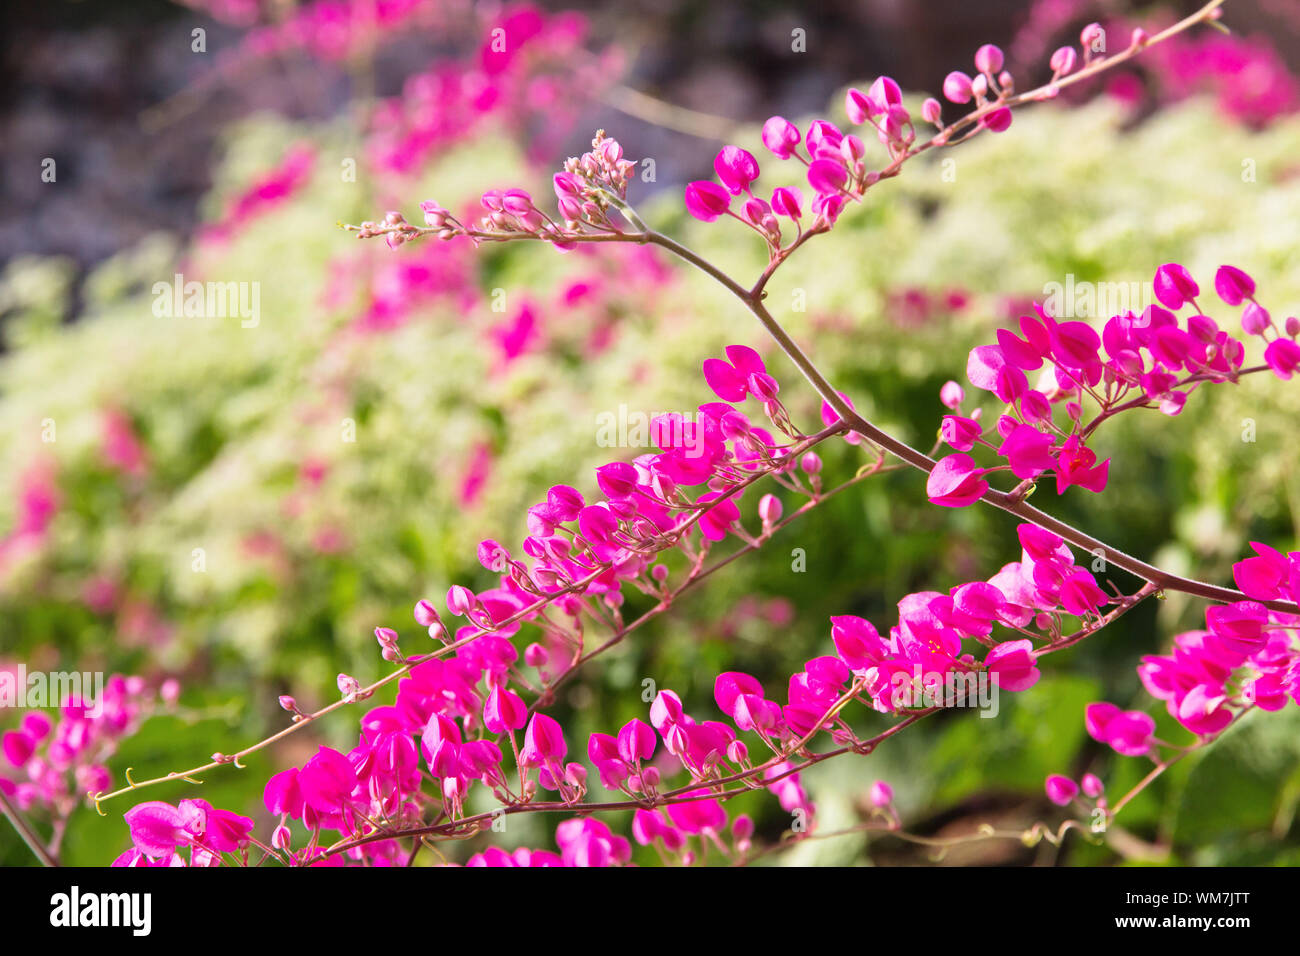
<point x="1255" y="319"/>
<point x="988" y="59"/>
<point x="460" y="600"/>
<point x="999" y="121"/>
<point x="957" y="87"/>
<point x="780" y="136"/>
<point x="281" y="838"/>
<point x="1061" y="790"/>
<point x="1063" y="61"/>
<point x="349" y="687"/>
<point x="425" y="614"/>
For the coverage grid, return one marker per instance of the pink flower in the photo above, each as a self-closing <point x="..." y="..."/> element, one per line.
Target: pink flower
<point x="327" y="781"/>
<point x="736" y="168"/>
<point x="857" y="106"/>
<point x="827" y="176"/>
<point x="780" y="136"/>
<point x="952" y="395"/>
<point x="1012" y="665"/>
<point x="636" y="741"/>
<point x="787" y="201"/>
<point x="283" y="795"/>
<point x="1080" y="594"/>
<point x="460" y="600"/>
<point x="18" y="747"/>
<point x="988" y="59"/>
<point x="961" y="433"/>
<point x="543" y="742"/>
<point x="882" y="794"/>
<point x="1063" y="61"/>
<point x="1265" y="577"/>
<point x="1283" y="357"/>
<point x="1128" y="732"/>
<point x="1028" y="451"/>
<point x="224" y="832"/>
<point x="957" y="87"/>
<point x="157" y="828"/>
<point x="1239" y="626"/>
<point x="504" y="710"/>
<point x="857" y="642"/>
<point x="707" y="200"/>
<point x="1077" y="465"/>
<point x="732" y="381"/>
<point x="1174" y="286"/>
<point x="698" y="815"/>
<point x="956" y="482"/>
<point x="1233" y="285"/>
<point x="1061" y="790"/>
<point x="998" y="121"/>
<point x="884" y="94"/>
<point x="1203" y="712"/>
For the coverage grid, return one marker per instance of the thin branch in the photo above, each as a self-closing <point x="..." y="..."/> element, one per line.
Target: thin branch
<point x="25" y="831"/>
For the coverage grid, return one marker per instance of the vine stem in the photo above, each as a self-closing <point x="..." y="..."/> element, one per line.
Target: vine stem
<point x="25" y="831"/>
<point x="998" y="499"/>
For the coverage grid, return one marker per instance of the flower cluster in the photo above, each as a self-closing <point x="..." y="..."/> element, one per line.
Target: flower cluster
<point x="530" y="75"/>
<point x="1030" y="597"/>
<point x="1154" y="360"/>
<point x="55" y="764"/>
<point x="455" y="719"/>
<point x="586" y="191"/>
<point x="836" y="160"/>
<point x="159" y="829"/>
<point x="1246" y="656"/>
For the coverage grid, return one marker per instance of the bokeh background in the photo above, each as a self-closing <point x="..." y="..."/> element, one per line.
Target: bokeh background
<point x="203" y="511"/>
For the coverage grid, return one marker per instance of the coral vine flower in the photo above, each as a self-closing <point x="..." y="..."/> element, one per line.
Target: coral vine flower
<point x="1011" y="665"/>
<point x="706" y="200"/>
<point x="327" y="781"/>
<point x="1128" y="732"/>
<point x="158" y="828"/>
<point x="1233" y="285"/>
<point x="1061" y="790"/>
<point x="956" y="482"/>
<point x="736" y="168"/>
<point x="1269" y="576"/>
<point x="732" y="381"/>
